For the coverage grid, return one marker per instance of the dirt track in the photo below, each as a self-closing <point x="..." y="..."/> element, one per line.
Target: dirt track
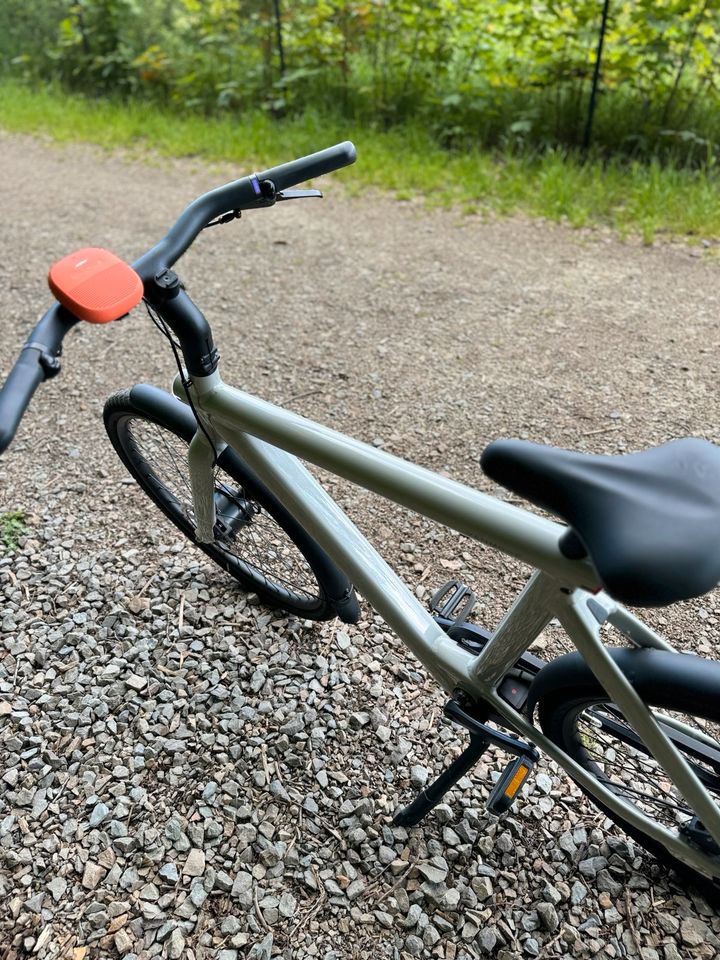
<point x="429" y="332"/>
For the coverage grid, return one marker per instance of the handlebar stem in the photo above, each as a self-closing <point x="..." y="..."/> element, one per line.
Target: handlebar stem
<point x="167" y="295"/>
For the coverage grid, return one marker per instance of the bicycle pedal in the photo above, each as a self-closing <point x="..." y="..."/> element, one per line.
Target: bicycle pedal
<point x="451" y="595"/>
<point x="505" y="791"/>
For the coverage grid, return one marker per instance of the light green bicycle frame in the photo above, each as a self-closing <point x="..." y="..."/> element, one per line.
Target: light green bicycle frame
<point x="270" y="439"/>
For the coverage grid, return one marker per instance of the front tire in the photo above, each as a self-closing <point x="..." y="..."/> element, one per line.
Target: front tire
<point x="257" y="542"/>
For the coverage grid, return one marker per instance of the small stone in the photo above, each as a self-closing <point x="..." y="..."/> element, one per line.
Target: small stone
<point x="504" y="842"/>
<point x="92" y="875"/>
<point x="543" y="782"/>
<point x="198" y="895"/>
<point x="34" y="904"/>
<point x="223" y="882"/>
<point x="287" y="905"/>
<point x="592" y="866"/>
<point x="451" y="900"/>
<point x="138" y="604"/>
<point x="57" y="888"/>
<point x="418" y="776"/>
<point x="482" y="887"/>
<point x="169" y="872"/>
<point x="431" y="935"/>
<point x="551" y="894"/>
<point x="414" y="945"/>
<point x="262" y="950"/>
<point x="548" y="916"/>
<point x="99" y="813"/>
<point x="693" y="931"/>
<point x="195" y="863"/>
<point x="354" y="889"/>
<point x="176" y="944"/>
<point x="243" y="884"/>
<point x="578" y="893"/>
<point x="122" y="941"/>
<point x="436" y="870"/>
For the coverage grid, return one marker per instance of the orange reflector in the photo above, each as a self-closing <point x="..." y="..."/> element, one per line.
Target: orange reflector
<point x="517" y="781"/>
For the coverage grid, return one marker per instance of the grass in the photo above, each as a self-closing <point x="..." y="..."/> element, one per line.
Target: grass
<point x="643" y="199"/>
<point x="12" y="527"/>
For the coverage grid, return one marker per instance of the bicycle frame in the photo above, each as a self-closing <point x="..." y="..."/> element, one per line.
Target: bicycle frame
<point x="270" y="439"/>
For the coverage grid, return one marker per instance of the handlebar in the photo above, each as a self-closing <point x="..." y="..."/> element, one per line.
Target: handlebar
<point x="315" y="165"/>
<point x="38" y="358"/>
<point x="244" y="194"/>
<point x="37" y="362"/>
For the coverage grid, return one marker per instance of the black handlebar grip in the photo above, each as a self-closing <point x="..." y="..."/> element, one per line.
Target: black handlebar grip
<point x="315" y="165"/>
<point x="37" y="362"/>
<point x="17" y="391"/>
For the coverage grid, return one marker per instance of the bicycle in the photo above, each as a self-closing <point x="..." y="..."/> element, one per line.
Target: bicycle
<point x="636" y="726"/>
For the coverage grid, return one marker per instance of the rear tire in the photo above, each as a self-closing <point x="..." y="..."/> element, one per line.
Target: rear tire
<point x="576" y="713"/>
<point x="258" y="542"/>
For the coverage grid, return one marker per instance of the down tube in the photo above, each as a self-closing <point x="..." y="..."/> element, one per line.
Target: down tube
<point x="337" y="534"/>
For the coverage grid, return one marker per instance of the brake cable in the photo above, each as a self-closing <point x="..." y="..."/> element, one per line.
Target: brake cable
<point x="166" y="332"/>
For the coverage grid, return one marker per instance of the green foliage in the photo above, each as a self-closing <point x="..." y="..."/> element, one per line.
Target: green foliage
<point x="509" y="73"/>
<point x="645" y="199"/>
<point x="12" y="527"/>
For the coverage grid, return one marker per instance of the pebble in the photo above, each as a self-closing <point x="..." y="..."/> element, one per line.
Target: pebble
<point x="57" y="888"/>
<point x="435" y="870"/>
<point x="487" y="939"/>
<point x="176" y="944"/>
<point x="99" y="812"/>
<point x="195" y="864"/>
<point x="92" y="875"/>
<point x="418" y="776"/>
<point x="169" y="872"/>
<point x="578" y="893"/>
<point x="693" y="931"/>
<point x="153" y="797"/>
<point x="482" y="887"/>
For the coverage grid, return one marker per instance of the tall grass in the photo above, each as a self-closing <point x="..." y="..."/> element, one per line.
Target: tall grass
<point x="646" y="199"/>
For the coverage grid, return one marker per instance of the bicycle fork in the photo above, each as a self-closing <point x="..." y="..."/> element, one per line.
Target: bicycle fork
<point x="201" y="457"/>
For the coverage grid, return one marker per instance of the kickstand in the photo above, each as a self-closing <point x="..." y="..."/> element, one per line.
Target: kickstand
<point x="429" y="797"/>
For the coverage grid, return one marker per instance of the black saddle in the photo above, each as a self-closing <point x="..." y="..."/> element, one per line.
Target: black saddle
<point x="649" y="521"/>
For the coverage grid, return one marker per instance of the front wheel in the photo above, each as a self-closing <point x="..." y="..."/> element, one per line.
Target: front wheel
<point x="257" y="541"/>
<point x="683" y="694"/>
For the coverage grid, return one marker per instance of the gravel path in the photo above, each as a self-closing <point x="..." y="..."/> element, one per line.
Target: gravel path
<point x="223" y="788"/>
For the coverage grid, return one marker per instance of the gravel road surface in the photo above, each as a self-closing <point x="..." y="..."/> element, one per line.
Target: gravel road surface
<point x="188" y="774"/>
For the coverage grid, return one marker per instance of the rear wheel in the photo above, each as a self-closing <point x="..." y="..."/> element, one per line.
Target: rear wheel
<point x="256" y="540"/>
<point x="594" y="732"/>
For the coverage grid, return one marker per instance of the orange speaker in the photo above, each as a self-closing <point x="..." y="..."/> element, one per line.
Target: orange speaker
<point x="95" y="285"/>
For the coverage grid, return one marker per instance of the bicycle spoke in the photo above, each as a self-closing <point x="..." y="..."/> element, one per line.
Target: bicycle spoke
<point x="258" y="545"/>
<point x="627" y="767"/>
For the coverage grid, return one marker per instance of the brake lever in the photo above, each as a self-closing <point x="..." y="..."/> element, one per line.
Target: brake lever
<point x="297" y="194"/>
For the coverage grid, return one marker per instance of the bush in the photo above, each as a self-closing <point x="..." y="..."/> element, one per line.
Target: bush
<point x="504" y="73"/>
